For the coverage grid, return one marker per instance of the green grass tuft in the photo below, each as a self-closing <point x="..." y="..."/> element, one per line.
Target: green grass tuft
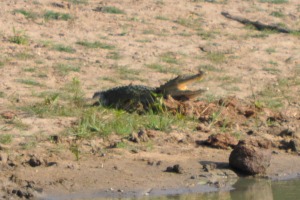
<point x="51" y="15"/>
<point x="64" y="69"/>
<point x="169" y="57"/>
<point x="27" y="14"/>
<point x="114" y="55"/>
<point x="277" y="14"/>
<point x="111" y="10"/>
<point x="29" y="82"/>
<point x="95" y="45"/>
<point x="216" y="57"/>
<point x="63" y="48"/>
<point x="18" y="37"/>
<point x="5" y="138"/>
<point x="79" y="1"/>
<point x="274" y="1"/>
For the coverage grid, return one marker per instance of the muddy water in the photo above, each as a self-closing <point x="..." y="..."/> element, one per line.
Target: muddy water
<point x="243" y="189"/>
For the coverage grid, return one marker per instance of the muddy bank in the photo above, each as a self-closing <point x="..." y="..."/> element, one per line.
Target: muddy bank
<point x="152" y="162"/>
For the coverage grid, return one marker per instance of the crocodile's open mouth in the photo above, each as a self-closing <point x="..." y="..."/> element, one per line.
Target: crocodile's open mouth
<point x="178" y="87"/>
<point x="184" y="81"/>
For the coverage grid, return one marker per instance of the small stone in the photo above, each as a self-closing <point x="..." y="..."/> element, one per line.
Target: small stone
<point x="175" y="169"/>
<point x="34" y="161"/>
<point x="295" y="145"/>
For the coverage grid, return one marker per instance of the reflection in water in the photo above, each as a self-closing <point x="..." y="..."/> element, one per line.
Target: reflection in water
<point x="252" y="189"/>
<point x="247" y="189"/>
<point x="244" y="189"/>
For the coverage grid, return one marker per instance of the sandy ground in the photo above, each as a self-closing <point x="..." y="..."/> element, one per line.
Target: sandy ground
<point x="148" y="43"/>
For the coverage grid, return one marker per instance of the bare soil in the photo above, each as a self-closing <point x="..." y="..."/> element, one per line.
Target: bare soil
<point x="148" y="43"/>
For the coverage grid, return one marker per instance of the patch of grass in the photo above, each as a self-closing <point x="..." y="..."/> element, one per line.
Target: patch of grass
<point x="272" y="97"/>
<point x="5" y="138"/>
<point x="208" y="68"/>
<point x="216" y="57"/>
<point x="24" y="56"/>
<point x="149" y="32"/>
<point x="185" y="34"/>
<point x="19" y="37"/>
<point x="95" y="45"/>
<point x="98" y="121"/>
<point x="144" y="41"/>
<point x="30" y="69"/>
<point x="296" y="33"/>
<point x="75" y="150"/>
<point x="270" y="50"/>
<point x="206" y="35"/>
<point x="126" y="73"/>
<point x="169" y="57"/>
<point x="192" y="23"/>
<point x="2" y="94"/>
<point x="29" y="82"/>
<point x="114" y="55"/>
<point x="26" y="13"/>
<point x="64" y="69"/>
<point x="111" y="10"/>
<point x="1" y="64"/>
<point x="271" y="70"/>
<point x="158" y="67"/>
<point x="277" y="14"/>
<point x="229" y="79"/>
<point x="163" y="68"/>
<point x="274" y="1"/>
<point x="52" y="106"/>
<point x="29" y="144"/>
<point x="110" y="79"/>
<point x="46" y="43"/>
<point x="160" y="17"/>
<point x="273" y="63"/>
<point x="51" y="15"/>
<point x="19" y="124"/>
<point x="63" y="48"/>
<point x="79" y="1"/>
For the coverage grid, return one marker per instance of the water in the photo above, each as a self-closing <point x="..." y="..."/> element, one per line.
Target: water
<point x="243" y="189"/>
<point x="248" y="189"/>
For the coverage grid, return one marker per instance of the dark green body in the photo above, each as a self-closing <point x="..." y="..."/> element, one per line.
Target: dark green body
<point x="127" y="97"/>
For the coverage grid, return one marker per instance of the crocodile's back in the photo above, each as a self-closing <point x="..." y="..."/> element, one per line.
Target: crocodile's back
<point x="127" y="97"/>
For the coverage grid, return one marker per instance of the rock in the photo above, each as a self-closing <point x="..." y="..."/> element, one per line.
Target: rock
<point x="221" y="140"/>
<point x="21" y="193"/>
<point x="250" y="158"/>
<point x="286" y="132"/>
<point x="175" y="169"/>
<point x="249" y="112"/>
<point x="34" y="161"/>
<point x="293" y="145"/>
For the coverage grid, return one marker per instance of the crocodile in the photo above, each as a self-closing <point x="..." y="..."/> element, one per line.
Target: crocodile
<point x="140" y="97"/>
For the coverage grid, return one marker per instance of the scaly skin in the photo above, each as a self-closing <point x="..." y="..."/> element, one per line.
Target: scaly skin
<point x="131" y="97"/>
